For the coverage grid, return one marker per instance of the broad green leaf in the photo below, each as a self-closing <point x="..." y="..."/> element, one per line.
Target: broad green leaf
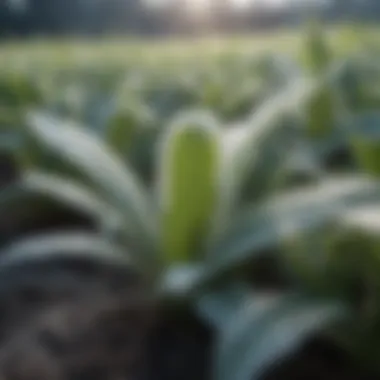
<point x="306" y="261"/>
<point x="317" y="52"/>
<point x="120" y="132"/>
<point x="365" y="141"/>
<point x="358" y="83"/>
<point x="24" y="208"/>
<point x="68" y="245"/>
<point x="97" y="162"/>
<point x="218" y="307"/>
<point x="321" y="112"/>
<point x="260" y="132"/>
<point x="349" y="83"/>
<point x="269" y="159"/>
<point x="18" y="89"/>
<point x="286" y="216"/>
<point x="189" y="180"/>
<point x="71" y="194"/>
<point x="124" y="127"/>
<point x="266" y="330"/>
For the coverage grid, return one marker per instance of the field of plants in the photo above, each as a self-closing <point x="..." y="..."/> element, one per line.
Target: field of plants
<point x="191" y="210"/>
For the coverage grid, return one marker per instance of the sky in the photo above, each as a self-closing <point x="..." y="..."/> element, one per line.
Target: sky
<point x="199" y="4"/>
<point x="193" y="4"/>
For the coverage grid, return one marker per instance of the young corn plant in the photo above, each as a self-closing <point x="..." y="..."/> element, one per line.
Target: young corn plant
<point x="195" y="227"/>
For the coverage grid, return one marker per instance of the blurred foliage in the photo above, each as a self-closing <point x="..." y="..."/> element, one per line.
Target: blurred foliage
<point x="200" y="163"/>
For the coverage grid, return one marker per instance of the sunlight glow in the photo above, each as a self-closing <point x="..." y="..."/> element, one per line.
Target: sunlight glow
<point x="197" y="6"/>
<point x="202" y="6"/>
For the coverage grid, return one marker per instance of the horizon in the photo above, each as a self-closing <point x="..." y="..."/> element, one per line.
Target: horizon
<point x="204" y="4"/>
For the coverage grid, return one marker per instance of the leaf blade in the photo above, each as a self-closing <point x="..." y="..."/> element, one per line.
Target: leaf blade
<point x="282" y="217"/>
<point x="88" y="154"/>
<point x="72" y="194"/>
<point x="263" y="130"/>
<point x="75" y="245"/>
<point x="266" y="330"/>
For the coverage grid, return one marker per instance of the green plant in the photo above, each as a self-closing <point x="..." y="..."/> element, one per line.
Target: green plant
<point x="19" y="90"/>
<point x="342" y="260"/>
<point x="198" y="225"/>
<point x="322" y="111"/>
<point x="364" y="139"/>
<point x="318" y="53"/>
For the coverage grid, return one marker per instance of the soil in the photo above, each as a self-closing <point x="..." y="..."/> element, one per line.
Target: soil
<point x="76" y="320"/>
<point x="72" y="320"/>
<point x="84" y="333"/>
<point x="179" y="348"/>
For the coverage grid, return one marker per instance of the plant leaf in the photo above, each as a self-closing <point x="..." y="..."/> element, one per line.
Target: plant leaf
<point x="364" y="219"/>
<point x="179" y="281"/>
<point x="88" y="154"/>
<point x="70" y="245"/>
<point x="365" y="141"/>
<point x="24" y="209"/>
<point x="219" y="307"/>
<point x="120" y="132"/>
<point x="189" y="174"/>
<point x="317" y="51"/>
<point x="126" y="124"/>
<point x="267" y="158"/>
<point x="321" y="112"/>
<point x="265" y="129"/>
<point x="286" y="216"/>
<point x="72" y="194"/>
<point x="266" y="330"/>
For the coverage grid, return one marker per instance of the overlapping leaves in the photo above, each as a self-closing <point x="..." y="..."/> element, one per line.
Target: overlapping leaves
<point x="201" y="226"/>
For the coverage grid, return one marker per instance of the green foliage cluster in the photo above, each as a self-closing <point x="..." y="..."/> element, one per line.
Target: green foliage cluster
<point x="192" y="173"/>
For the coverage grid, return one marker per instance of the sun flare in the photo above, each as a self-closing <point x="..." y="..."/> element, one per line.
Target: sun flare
<point x="205" y="6"/>
<point x="198" y="7"/>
